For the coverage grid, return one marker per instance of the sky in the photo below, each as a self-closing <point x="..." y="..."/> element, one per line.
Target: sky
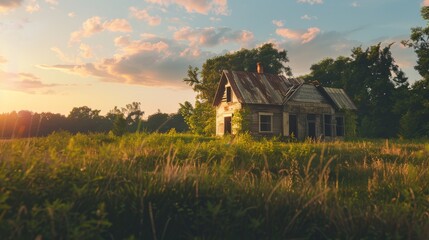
<point x="58" y="54"/>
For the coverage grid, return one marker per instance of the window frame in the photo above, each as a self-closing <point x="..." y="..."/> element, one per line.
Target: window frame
<point x="327" y="125"/>
<point x="270" y="123"/>
<point x="228" y="93"/>
<point x="342" y="129"/>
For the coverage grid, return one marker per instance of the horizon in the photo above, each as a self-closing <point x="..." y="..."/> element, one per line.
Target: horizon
<point x="57" y="55"/>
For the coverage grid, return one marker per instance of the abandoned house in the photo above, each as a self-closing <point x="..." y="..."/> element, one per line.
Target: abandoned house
<point x="280" y="106"/>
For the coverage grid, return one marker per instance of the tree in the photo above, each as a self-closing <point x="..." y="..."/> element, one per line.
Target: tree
<point x="131" y="115"/>
<point x="156" y="122"/>
<point x="374" y="82"/>
<point x="84" y="119"/>
<point x="329" y="72"/>
<point x="201" y="118"/>
<point x="419" y="41"/>
<point x="415" y="122"/>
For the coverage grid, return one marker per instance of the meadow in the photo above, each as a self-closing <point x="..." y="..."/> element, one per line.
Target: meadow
<point x="181" y="186"/>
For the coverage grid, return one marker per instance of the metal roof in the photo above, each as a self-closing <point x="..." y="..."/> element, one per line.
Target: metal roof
<point x="340" y="98"/>
<point x="261" y="88"/>
<point x="272" y="89"/>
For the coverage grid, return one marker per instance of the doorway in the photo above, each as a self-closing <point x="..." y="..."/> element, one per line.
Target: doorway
<point x="311" y="126"/>
<point x="293" y="126"/>
<point x="227" y="126"/>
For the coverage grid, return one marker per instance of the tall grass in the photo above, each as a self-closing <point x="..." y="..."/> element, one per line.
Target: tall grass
<point x="179" y="186"/>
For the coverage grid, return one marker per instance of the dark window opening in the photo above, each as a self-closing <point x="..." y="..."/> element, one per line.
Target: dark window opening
<point x="311" y="125"/>
<point x="228" y="94"/>
<point x="227" y="125"/>
<point x="328" y="125"/>
<point x="265" y="122"/>
<point x="340" y="126"/>
<point x="293" y="126"/>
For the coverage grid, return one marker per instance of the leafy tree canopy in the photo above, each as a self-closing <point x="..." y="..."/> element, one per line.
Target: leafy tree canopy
<point x="201" y="117"/>
<point x="272" y="60"/>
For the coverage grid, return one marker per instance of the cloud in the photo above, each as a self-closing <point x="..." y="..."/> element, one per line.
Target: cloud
<point x="2" y="60"/>
<point x="303" y="37"/>
<point x="7" y="5"/>
<point x="85" y="51"/>
<point x="52" y="2"/>
<point x="32" y="6"/>
<point x="219" y="7"/>
<point x="22" y="82"/>
<point x="425" y="3"/>
<point x="71" y="14"/>
<point x="148" y="61"/>
<point x="144" y="15"/>
<point x="278" y="23"/>
<point x="356" y="4"/>
<point x="211" y="36"/>
<point x="307" y="17"/>
<point x="311" y="1"/>
<point x="62" y="56"/>
<point x="94" y="25"/>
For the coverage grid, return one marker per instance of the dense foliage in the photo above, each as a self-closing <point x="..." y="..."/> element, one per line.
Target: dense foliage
<point x="201" y="117"/>
<point x="85" y="120"/>
<point x="175" y="186"/>
<point x="374" y="82"/>
<point x="387" y="105"/>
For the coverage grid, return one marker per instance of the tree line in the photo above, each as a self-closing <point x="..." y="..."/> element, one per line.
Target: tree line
<point x="388" y="105"/>
<point x="86" y="120"/>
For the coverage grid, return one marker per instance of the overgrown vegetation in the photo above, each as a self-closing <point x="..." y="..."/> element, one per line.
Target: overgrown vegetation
<point x="179" y="186"/>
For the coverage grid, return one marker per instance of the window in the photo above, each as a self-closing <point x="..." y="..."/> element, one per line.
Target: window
<point x="340" y="126"/>
<point x="327" y="121"/>
<point x="228" y="94"/>
<point x="265" y="122"/>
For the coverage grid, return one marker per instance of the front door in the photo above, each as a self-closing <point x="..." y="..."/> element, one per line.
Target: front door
<point x="227" y="128"/>
<point x="293" y="126"/>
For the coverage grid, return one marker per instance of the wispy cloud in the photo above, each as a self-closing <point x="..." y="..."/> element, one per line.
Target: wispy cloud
<point x="278" y="23"/>
<point x="307" y="17"/>
<point x="145" y="16"/>
<point x="52" y="2"/>
<point x="85" y="51"/>
<point x="299" y="35"/>
<point x="212" y="36"/>
<point x="149" y="61"/>
<point x="311" y="1"/>
<point x="7" y="5"/>
<point x="202" y="7"/>
<point x="2" y="60"/>
<point x="71" y="14"/>
<point x="95" y="25"/>
<point x="62" y="56"/>
<point x="356" y="4"/>
<point x="32" y="6"/>
<point x="22" y="82"/>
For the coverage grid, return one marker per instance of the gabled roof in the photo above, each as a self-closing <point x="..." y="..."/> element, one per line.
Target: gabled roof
<point x="340" y="98"/>
<point x="272" y="89"/>
<point x="257" y="88"/>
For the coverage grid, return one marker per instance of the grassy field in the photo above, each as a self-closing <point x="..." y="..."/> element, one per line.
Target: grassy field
<point x="177" y="186"/>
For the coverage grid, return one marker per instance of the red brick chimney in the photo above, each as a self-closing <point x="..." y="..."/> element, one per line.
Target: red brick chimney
<point x="259" y="68"/>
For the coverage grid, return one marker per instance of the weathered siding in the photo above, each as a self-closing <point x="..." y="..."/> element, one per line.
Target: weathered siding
<point x="302" y="109"/>
<point x="273" y="101"/>
<point x="226" y="109"/>
<point x="277" y="119"/>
